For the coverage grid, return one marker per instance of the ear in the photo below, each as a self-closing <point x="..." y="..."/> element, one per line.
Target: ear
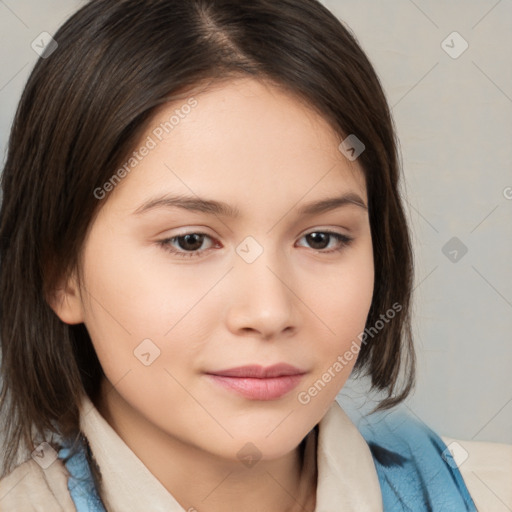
<point x="66" y="302"/>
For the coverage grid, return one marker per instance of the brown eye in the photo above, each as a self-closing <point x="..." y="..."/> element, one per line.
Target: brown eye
<point x="186" y="246"/>
<point x="320" y="240"/>
<point x="191" y="242"/>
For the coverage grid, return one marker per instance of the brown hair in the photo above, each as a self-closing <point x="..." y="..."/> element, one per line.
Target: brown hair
<point x="83" y="109"/>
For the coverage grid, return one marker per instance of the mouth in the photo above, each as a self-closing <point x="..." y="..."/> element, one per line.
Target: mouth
<point x="257" y="382"/>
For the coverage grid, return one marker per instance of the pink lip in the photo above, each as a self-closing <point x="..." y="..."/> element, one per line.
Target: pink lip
<point x="259" y="383"/>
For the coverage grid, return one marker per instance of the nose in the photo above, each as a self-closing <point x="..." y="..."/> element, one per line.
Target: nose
<point x="262" y="298"/>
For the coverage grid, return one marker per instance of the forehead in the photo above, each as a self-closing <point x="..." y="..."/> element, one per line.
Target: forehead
<point x="241" y="141"/>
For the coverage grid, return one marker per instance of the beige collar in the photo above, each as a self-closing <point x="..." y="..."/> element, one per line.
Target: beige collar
<point x="347" y="479"/>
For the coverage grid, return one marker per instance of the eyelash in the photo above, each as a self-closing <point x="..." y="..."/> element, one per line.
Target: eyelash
<point x="343" y="240"/>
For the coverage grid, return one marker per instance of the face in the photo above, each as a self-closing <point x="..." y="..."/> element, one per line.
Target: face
<point x="176" y="294"/>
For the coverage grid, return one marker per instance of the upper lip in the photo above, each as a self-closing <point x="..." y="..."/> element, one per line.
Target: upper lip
<point x="260" y="372"/>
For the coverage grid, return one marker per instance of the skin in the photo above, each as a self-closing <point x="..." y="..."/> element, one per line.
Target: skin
<point x="262" y="150"/>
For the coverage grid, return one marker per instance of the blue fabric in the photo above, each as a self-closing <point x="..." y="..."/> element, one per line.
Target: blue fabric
<point x="416" y="471"/>
<point x="80" y="483"/>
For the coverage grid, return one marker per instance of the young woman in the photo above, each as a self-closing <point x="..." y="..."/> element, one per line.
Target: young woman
<point x="202" y="236"/>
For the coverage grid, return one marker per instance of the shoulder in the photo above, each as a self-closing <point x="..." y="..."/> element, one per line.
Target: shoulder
<point x="487" y="471"/>
<point x="30" y="488"/>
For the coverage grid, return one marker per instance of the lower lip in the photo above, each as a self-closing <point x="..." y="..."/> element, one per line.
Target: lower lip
<point x="259" y="389"/>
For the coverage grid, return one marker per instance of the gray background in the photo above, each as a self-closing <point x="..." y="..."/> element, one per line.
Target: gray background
<point x="454" y="122"/>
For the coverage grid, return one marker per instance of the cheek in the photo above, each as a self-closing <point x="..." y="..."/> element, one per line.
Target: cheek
<point x="135" y="308"/>
<point x="137" y="292"/>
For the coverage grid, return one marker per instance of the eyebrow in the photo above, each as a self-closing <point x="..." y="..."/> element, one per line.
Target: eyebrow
<point x="210" y="206"/>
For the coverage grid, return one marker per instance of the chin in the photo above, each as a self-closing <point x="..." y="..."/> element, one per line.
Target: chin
<point x="267" y="447"/>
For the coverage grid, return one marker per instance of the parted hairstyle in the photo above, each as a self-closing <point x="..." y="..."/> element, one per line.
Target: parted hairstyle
<point x="82" y="111"/>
